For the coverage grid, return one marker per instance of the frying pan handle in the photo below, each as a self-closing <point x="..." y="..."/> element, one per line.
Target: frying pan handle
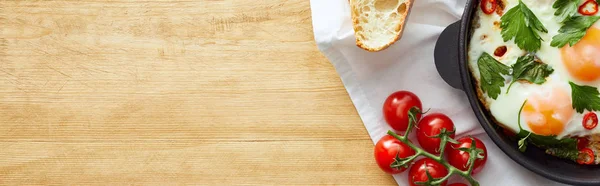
<point x="446" y="55"/>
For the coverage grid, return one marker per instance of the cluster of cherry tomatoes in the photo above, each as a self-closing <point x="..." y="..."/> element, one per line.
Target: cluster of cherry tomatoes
<point x="388" y="148"/>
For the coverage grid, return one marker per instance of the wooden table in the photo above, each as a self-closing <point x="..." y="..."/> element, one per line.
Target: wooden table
<point x="185" y="92"/>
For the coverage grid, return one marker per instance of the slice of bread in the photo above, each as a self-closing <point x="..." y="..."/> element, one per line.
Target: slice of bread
<point x="378" y="23"/>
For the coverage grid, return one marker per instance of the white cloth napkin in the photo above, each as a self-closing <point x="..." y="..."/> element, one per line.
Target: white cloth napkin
<point x="408" y="65"/>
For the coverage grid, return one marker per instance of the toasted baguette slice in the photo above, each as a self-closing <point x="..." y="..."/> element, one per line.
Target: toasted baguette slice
<point x="378" y="23"/>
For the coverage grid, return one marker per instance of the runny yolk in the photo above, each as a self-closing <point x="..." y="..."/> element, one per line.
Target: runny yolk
<point x="547" y="113"/>
<point x="582" y="60"/>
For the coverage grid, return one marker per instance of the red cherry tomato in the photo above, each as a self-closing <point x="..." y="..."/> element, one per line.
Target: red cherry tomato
<point x="582" y="142"/>
<point x="586" y="156"/>
<point x="386" y="150"/>
<point x="430" y="126"/>
<point x="590" y="7"/>
<point x="396" y="107"/>
<point x="418" y="172"/>
<point x="459" y="159"/>
<point x="590" y="121"/>
<point x="488" y="6"/>
<point x="458" y="184"/>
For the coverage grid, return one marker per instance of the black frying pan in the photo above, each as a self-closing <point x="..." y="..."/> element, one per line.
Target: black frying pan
<point x="451" y="62"/>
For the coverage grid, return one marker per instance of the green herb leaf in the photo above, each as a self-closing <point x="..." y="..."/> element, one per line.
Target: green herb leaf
<point x="545" y="141"/>
<point x="565" y="9"/>
<point x="491" y="75"/>
<point x="585" y="97"/>
<point x="573" y="30"/>
<point x="520" y="23"/>
<point x="552" y="142"/>
<point x="528" y="69"/>
<point x="571" y="154"/>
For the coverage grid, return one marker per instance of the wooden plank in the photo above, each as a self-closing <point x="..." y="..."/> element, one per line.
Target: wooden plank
<point x="185" y="92"/>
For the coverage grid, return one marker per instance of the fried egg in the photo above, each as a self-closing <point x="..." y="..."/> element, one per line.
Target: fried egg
<point x="548" y="110"/>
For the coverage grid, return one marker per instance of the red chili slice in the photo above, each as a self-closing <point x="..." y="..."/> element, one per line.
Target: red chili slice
<point x="500" y="51"/>
<point x="590" y="121"/>
<point x="488" y="6"/>
<point x="590" y="7"/>
<point x="586" y="156"/>
<point x="582" y="143"/>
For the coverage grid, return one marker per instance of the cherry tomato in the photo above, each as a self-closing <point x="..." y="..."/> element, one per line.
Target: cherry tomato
<point x="430" y="126"/>
<point x="582" y="142"/>
<point x="459" y="159"/>
<point x="418" y="172"/>
<point x="396" y="107"/>
<point x="586" y="156"/>
<point x="590" y="121"/>
<point x="488" y="6"/>
<point x="386" y="150"/>
<point x="458" y="184"/>
<point x="590" y="7"/>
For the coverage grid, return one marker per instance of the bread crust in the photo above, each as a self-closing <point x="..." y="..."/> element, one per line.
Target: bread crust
<point x="400" y="27"/>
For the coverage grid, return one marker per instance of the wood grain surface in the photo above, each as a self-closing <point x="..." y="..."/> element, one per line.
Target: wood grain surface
<point x="209" y="92"/>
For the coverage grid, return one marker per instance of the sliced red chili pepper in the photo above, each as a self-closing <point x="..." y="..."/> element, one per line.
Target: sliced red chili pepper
<point x="500" y="51"/>
<point x="582" y="143"/>
<point x="590" y="121"/>
<point x="488" y="6"/>
<point x="586" y="156"/>
<point x="590" y="7"/>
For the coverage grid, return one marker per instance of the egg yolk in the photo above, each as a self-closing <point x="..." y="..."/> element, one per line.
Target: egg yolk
<point x="547" y="113"/>
<point x="582" y="60"/>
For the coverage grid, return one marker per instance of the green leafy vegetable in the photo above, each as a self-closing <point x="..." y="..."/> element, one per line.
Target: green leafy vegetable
<point x="573" y="30"/>
<point x="520" y="23"/>
<point x="552" y="142"/>
<point x="491" y="74"/>
<point x="563" y="153"/>
<point x="565" y="8"/>
<point x="528" y="69"/>
<point x="585" y="97"/>
<point x="563" y="146"/>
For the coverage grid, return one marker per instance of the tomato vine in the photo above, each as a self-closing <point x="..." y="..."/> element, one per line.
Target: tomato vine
<point x="474" y="153"/>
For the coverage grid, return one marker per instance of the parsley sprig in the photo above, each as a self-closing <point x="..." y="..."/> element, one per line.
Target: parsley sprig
<point x="565" y="9"/>
<point x="573" y="30"/>
<point x="520" y="23"/>
<point x="585" y="97"/>
<point x="491" y="72"/>
<point x="528" y="69"/>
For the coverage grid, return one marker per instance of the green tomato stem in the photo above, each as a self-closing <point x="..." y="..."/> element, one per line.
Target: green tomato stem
<point x="443" y="143"/>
